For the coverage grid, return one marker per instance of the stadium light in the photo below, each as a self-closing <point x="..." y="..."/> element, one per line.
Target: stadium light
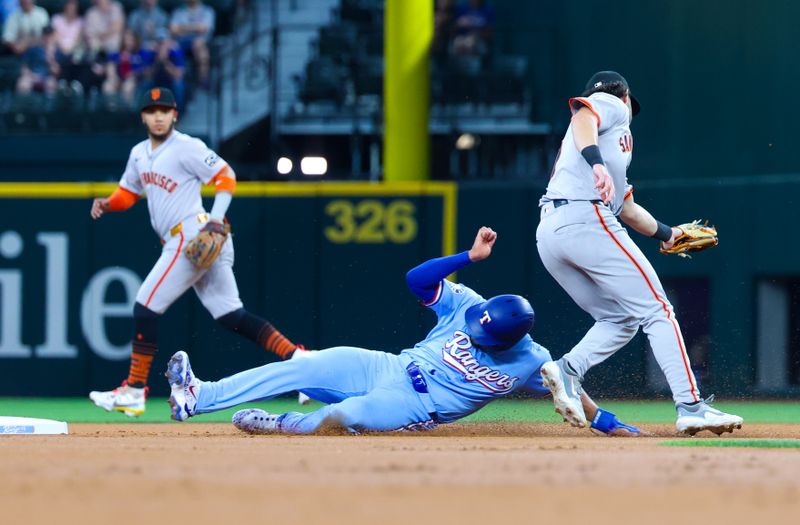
<point x="466" y="141"/>
<point x="284" y="166"/>
<point x="314" y="165"/>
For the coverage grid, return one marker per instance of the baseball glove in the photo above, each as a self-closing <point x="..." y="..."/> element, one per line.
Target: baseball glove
<point x="204" y="249"/>
<point x="695" y="237"/>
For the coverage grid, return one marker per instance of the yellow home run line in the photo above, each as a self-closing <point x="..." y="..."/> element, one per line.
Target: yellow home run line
<point x="87" y="190"/>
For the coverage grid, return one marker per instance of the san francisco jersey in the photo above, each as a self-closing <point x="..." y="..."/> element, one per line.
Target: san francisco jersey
<point x="172" y="177"/>
<point x="572" y="177"/>
<point x="461" y="378"/>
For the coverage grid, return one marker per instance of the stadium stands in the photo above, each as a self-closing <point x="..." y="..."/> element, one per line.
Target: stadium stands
<point x="78" y="105"/>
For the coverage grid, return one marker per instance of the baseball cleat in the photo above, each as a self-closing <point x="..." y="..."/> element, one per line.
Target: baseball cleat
<point x="184" y="385"/>
<point x="301" y="352"/>
<point x="566" y="390"/>
<point x="126" y="399"/>
<point x="702" y="416"/>
<point x="256" y="421"/>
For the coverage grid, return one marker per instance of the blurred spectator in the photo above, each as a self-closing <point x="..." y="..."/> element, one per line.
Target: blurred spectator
<point x="148" y="22"/>
<point x="193" y="26"/>
<point x="6" y="8"/>
<point x="443" y="26"/>
<point x="39" y="70"/>
<point x="68" y="30"/>
<point x="24" y="27"/>
<point x="105" y="23"/>
<point x="474" y="27"/>
<point x="127" y="68"/>
<point x="168" y="70"/>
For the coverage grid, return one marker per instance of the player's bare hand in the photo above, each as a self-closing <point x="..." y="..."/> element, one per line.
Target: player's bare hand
<point x="603" y="183"/>
<point x="99" y="207"/>
<point x="676" y="232"/>
<point x="482" y="247"/>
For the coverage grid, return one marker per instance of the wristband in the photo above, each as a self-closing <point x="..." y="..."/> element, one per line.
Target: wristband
<point x="592" y="155"/>
<point x="663" y="232"/>
<point x="606" y="422"/>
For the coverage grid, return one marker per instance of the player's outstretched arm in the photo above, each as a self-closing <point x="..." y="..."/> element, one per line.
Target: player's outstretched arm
<point x="637" y="217"/>
<point x="120" y="200"/>
<point x="424" y="279"/>
<point x="605" y="421"/>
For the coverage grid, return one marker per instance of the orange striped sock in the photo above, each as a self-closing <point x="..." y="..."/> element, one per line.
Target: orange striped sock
<point x="141" y="360"/>
<point x="274" y="341"/>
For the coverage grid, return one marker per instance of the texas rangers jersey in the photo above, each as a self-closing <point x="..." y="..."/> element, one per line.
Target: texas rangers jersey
<point x="171" y="176"/>
<point x="461" y="378"/>
<point x="572" y="177"/>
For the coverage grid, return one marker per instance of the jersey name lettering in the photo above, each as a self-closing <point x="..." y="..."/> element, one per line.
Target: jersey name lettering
<point x="457" y="355"/>
<point x="626" y="143"/>
<point x="162" y="181"/>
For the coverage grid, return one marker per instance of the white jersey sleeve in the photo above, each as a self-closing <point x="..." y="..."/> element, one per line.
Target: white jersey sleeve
<point x="201" y="161"/>
<point x="130" y="179"/>
<point x="572" y="177"/>
<point x="609" y="110"/>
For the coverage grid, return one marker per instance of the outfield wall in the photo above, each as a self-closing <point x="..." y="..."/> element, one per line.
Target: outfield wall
<point x="326" y="263"/>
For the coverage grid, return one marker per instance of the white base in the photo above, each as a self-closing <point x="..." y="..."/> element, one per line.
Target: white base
<point x="28" y="425"/>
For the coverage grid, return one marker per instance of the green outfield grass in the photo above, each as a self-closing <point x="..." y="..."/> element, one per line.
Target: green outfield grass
<point x="81" y="410"/>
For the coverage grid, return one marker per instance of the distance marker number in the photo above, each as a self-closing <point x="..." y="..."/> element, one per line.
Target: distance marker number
<point x="371" y="221"/>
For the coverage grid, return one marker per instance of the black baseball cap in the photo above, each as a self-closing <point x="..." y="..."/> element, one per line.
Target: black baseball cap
<point x="609" y="77"/>
<point x="158" y="96"/>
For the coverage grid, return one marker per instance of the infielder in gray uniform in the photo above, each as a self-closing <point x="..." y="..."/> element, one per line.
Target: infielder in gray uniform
<point x="585" y="248"/>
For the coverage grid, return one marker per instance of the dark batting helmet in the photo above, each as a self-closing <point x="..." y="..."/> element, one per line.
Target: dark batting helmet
<point x="500" y="322"/>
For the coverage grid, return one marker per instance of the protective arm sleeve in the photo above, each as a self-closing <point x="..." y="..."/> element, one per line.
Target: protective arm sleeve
<point x="221" y="203"/>
<point x="225" y="184"/>
<point x="121" y="199"/>
<point x="424" y="279"/>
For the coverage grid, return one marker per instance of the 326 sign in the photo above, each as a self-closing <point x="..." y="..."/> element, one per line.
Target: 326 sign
<point x="371" y="221"/>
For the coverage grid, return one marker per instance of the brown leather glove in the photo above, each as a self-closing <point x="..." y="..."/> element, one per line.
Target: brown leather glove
<point x="204" y="249"/>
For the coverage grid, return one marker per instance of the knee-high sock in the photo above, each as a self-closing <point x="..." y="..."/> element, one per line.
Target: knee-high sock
<point x="258" y="330"/>
<point x="145" y="343"/>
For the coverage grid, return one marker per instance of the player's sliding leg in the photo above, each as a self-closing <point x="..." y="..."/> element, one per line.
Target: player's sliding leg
<point x="392" y="406"/>
<point x="218" y="292"/>
<point x="332" y="375"/>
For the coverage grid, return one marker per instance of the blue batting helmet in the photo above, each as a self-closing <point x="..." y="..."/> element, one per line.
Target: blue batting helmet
<point x="500" y="322"/>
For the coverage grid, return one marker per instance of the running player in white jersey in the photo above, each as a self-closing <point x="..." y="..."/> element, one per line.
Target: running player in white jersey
<point x="170" y="168"/>
<point x="587" y="250"/>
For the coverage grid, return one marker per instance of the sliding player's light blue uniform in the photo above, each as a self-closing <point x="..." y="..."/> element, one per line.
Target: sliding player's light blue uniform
<point x="441" y="379"/>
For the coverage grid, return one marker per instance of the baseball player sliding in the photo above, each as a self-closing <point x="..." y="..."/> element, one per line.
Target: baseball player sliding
<point x="478" y="351"/>
<point x="170" y="168"/>
<point x="585" y="248"/>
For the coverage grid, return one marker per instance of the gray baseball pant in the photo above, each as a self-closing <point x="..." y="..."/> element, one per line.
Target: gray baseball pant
<point x="590" y="254"/>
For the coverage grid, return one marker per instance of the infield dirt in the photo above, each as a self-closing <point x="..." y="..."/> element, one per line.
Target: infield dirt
<point x="470" y="473"/>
